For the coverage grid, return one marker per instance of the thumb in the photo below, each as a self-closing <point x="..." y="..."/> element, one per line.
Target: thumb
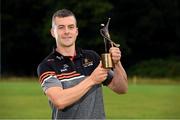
<point x="100" y="64"/>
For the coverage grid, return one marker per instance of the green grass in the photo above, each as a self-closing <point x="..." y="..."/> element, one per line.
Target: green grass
<point x="23" y="98"/>
<point x="144" y="101"/>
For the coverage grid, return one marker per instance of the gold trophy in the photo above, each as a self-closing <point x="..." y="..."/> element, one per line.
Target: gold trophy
<point x="106" y="57"/>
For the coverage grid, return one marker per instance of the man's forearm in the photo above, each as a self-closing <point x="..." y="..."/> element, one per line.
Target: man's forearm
<point x="120" y="72"/>
<point x="62" y="98"/>
<point x="119" y="82"/>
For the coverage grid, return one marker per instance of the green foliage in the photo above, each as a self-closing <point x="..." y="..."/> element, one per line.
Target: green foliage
<point x="148" y="26"/>
<point x="89" y="14"/>
<point x="142" y="25"/>
<point x="156" y="68"/>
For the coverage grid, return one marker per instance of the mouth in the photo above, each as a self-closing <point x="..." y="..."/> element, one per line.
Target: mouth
<point x="67" y="37"/>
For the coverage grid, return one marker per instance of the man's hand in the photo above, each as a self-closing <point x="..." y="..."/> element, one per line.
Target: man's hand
<point x="99" y="74"/>
<point x="116" y="54"/>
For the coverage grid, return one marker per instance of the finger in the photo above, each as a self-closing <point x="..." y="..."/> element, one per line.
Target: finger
<point x="104" y="71"/>
<point x="116" y="55"/>
<point x="111" y="49"/>
<point x="114" y="50"/>
<point x="103" y="76"/>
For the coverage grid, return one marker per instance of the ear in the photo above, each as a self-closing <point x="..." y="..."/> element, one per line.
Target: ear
<point x="77" y="31"/>
<point x="52" y="32"/>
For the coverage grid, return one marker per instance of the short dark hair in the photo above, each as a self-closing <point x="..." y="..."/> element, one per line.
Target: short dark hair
<point x="62" y="13"/>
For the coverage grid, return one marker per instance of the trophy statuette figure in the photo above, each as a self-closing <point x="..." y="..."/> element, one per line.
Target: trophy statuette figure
<point x="106" y="57"/>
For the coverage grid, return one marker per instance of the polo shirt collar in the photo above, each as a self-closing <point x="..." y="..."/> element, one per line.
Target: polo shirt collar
<point x="79" y="53"/>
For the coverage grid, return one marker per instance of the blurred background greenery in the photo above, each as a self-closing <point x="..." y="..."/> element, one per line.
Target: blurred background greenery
<point x="147" y="30"/>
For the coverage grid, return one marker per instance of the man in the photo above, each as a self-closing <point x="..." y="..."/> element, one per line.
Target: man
<point x="72" y="77"/>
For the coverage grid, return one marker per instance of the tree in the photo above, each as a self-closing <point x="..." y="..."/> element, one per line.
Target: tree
<point x="25" y="30"/>
<point x="144" y="28"/>
<point x="151" y="28"/>
<point x="21" y="24"/>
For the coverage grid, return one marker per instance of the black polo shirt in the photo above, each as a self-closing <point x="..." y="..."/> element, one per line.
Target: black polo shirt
<point x="57" y="70"/>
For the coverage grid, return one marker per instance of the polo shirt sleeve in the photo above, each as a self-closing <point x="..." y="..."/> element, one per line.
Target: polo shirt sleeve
<point x="109" y="78"/>
<point x="47" y="76"/>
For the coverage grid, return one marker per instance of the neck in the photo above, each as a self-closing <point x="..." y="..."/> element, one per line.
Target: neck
<point x="66" y="51"/>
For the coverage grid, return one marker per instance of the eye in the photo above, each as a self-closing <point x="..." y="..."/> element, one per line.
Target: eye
<point x="71" y="27"/>
<point x="60" y="27"/>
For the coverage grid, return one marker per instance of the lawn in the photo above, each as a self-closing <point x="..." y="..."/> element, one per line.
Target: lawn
<point x="22" y="98"/>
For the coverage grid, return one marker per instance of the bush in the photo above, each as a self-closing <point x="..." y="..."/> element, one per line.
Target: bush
<point x="156" y="68"/>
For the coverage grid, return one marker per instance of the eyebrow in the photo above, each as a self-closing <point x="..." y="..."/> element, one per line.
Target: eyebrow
<point x="68" y="25"/>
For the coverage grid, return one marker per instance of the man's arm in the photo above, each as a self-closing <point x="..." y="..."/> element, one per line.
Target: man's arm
<point x="62" y="98"/>
<point x="119" y="83"/>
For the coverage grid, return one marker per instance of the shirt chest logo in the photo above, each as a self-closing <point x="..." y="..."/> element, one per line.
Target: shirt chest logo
<point x="87" y="62"/>
<point x="64" y="68"/>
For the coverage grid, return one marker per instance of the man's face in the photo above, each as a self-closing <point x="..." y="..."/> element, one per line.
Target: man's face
<point x="65" y="31"/>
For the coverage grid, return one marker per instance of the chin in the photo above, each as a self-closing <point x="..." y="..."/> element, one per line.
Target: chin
<point x="69" y="45"/>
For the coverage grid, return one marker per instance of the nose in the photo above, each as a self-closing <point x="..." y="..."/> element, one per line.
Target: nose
<point x="66" y="31"/>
